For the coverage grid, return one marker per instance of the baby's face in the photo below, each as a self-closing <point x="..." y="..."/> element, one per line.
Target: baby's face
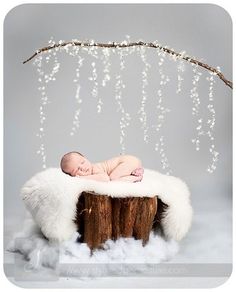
<point x="78" y="165"/>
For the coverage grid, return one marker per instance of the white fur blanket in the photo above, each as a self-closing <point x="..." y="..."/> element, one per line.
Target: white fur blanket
<point x="51" y="198"/>
<point x="123" y="257"/>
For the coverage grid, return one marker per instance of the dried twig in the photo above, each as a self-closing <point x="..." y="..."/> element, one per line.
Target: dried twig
<point x="140" y="43"/>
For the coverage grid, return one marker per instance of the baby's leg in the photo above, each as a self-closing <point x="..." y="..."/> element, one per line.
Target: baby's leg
<point x="121" y="170"/>
<point x="129" y="178"/>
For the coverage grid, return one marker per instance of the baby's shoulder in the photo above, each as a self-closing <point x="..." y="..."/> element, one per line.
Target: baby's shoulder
<point x="98" y="168"/>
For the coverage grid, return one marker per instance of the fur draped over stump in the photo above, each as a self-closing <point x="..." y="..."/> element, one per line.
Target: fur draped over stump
<point x="52" y="198"/>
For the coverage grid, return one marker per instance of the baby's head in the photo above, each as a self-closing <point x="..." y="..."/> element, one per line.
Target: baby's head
<point x="74" y="163"/>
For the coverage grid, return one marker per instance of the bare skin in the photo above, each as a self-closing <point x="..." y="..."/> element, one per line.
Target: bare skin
<point x="123" y="168"/>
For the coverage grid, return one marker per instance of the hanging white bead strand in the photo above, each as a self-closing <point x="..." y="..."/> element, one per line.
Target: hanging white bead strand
<point x="180" y="71"/>
<point x="211" y="123"/>
<point x="44" y="79"/>
<point x="78" y="100"/>
<point x="107" y="65"/>
<point x="94" y="78"/>
<point x="119" y="86"/>
<point x="194" y="95"/>
<point x="161" y="109"/>
<point x="42" y="115"/>
<point x="161" y="112"/>
<point x="159" y="147"/>
<point x="142" y="111"/>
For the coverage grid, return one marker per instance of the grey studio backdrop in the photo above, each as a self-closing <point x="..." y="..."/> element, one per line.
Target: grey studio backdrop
<point x="203" y="31"/>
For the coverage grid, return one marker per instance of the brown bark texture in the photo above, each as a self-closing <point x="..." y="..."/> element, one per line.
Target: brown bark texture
<point x="102" y="217"/>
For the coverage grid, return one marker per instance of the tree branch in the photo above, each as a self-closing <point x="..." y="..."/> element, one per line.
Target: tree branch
<point x="125" y="45"/>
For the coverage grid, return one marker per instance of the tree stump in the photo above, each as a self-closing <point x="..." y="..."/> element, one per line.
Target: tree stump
<point x="102" y="217"/>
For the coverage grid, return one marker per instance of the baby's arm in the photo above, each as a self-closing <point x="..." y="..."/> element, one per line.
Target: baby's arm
<point x="97" y="177"/>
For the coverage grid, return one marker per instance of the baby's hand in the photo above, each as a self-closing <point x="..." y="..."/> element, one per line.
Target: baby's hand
<point x="138" y="178"/>
<point x="138" y="172"/>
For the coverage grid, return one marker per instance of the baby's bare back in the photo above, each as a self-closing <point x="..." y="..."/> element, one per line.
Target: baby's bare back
<point x="119" y="166"/>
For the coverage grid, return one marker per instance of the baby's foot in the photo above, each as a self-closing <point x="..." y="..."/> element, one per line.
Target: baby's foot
<point x="138" y="171"/>
<point x="138" y="178"/>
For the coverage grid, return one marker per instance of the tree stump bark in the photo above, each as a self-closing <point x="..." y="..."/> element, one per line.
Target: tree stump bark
<point x="102" y="217"/>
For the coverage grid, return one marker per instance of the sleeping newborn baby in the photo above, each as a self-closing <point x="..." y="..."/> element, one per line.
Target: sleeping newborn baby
<point x="124" y="168"/>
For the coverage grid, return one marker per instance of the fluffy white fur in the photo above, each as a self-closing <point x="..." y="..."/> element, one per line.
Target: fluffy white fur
<point x="51" y="198"/>
<point x="68" y="258"/>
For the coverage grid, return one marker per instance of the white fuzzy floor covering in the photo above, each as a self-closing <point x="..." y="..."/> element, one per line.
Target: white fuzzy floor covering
<point x="71" y="258"/>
